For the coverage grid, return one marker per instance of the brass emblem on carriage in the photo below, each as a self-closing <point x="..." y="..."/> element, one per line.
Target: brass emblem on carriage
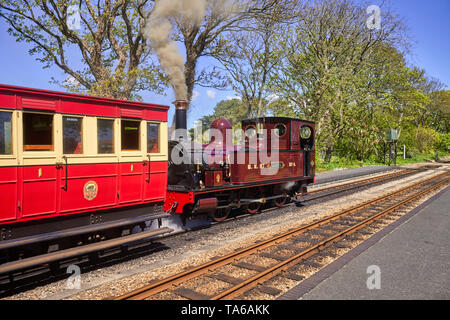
<point x="90" y="190"/>
<point x="218" y="177"/>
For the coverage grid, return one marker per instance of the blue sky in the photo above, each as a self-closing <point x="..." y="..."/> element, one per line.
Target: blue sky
<point x="428" y="22"/>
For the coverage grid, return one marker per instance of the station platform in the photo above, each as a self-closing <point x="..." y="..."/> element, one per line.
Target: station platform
<point x="410" y="257"/>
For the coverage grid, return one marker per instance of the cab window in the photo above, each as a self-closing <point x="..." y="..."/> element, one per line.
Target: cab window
<point x="5" y="133"/>
<point x="72" y="135"/>
<point x="280" y="130"/>
<point x="37" y="132"/>
<point x="152" y="137"/>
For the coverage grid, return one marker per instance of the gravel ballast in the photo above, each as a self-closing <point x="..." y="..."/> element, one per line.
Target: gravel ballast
<point x="200" y="246"/>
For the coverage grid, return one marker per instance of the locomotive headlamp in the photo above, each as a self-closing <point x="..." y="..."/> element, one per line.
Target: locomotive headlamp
<point x="305" y="132"/>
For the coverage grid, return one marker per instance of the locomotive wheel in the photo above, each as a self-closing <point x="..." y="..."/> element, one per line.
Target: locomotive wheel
<point x="254" y="207"/>
<point x="279" y="202"/>
<point x="220" y="214"/>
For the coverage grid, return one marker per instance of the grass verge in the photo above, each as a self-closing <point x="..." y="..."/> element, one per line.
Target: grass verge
<point x="344" y="163"/>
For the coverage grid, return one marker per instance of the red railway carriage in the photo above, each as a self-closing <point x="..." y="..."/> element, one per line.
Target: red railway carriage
<point x="68" y="160"/>
<point x="275" y="162"/>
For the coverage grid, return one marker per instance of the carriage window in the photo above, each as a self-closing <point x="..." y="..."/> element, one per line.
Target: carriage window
<point x="152" y="137"/>
<point x="105" y="136"/>
<point x="72" y="137"/>
<point x="130" y="135"/>
<point x="5" y="133"/>
<point x="37" y="132"/>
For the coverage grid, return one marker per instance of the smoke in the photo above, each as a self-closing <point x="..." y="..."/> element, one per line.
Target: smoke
<point x="158" y="29"/>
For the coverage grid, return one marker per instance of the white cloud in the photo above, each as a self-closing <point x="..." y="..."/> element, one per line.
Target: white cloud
<point x="211" y="94"/>
<point x="233" y="97"/>
<point x="195" y="95"/>
<point x="71" y="81"/>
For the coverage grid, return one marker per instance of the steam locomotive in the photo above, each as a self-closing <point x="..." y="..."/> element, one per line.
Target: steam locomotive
<point x="77" y="165"/>
<point x="219" y="176"/>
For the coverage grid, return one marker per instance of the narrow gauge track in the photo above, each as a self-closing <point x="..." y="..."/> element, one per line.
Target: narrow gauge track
<point x="303" y="242"/>
<point x="13" y="277"/>
<point x="48" y="273"/>
<point x="336" y="189"/>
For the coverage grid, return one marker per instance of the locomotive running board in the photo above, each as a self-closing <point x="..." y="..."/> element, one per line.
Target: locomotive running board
<point x="79" y="251"/>
<point x="72" y="232"/>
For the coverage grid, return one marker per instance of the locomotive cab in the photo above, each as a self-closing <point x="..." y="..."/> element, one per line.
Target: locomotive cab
<point x="295" y="139"/>
<point x="307" y="145"/>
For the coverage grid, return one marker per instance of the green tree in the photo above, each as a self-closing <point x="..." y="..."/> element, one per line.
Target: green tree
<point x="328" y="65"/>
<point x="222" y="19"/>
<point x="233" y="110"/>
<point x="250" y="56"/>
<point x="115" y="60"/>
<point x="439" y="117"/>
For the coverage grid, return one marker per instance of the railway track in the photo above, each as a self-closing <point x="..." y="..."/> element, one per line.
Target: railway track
<point x="31" y="270"/>
<point x="335" y="190"/>
<point x="284" y="251"/>
<point x="344" y="187"/>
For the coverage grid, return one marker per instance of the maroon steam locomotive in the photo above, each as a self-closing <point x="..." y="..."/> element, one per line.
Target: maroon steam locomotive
<point x="274" y="163"/>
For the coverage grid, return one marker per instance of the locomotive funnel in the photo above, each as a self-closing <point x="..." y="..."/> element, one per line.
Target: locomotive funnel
<point x="180" y="114"/>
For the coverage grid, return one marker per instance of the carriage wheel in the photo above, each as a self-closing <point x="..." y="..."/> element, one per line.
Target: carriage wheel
<point x="220" y="214"/>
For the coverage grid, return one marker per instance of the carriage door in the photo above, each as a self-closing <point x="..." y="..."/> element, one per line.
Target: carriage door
<point x="39" y="171"/>
<point x="8" y="167"/>
<point x="155" y="177"/>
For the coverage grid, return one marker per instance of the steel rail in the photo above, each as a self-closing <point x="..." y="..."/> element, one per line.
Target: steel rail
<point x="61" y="255"/>
<point x="396" y="173"/>
<point x="169" y="282"/>
<point x="356" y="184"/>
<point x="376" y="179"/>
<point x="276" y="269"/>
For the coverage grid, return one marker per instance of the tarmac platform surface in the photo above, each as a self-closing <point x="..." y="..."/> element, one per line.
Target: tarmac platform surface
<point x="410" y="258"/>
